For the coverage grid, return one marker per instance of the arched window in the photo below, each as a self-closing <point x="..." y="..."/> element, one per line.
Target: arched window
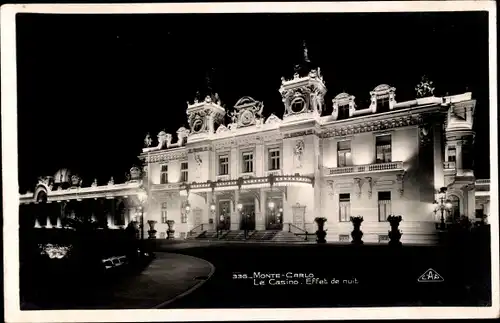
<point x="455" y="207"/>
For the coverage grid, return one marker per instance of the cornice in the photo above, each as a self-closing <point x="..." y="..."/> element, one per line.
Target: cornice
<point x="385" y="121"/>
<point x="105" y="191"/>
<point x="166" y="155"/>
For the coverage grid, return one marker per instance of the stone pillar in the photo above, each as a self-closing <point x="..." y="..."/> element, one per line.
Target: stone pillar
<point x="470" y="196"/>
<point x="458" y="163"/>
<point x="235" y="214"/>
<point x="438" y="157"/>
<point x="260" y="219"/>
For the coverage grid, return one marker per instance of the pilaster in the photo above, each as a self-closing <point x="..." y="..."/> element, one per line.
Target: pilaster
<point x="260" y="219"/>
<point x="235" y="214"/>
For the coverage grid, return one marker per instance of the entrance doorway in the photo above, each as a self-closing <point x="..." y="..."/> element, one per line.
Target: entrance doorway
<point x="274" y="214"/>
<point x="224" y="218"/>
<point x="248" y="217"/>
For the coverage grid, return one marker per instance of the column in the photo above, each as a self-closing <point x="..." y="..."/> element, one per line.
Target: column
<point x="235" y="214"/>
<point x="206" y="219"/>
<point x="458" y="163"/>
<point x="438" y="157"/>
<point x="260" y="219"/>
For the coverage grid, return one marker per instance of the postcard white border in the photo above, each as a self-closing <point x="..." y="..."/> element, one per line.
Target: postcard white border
<point x="10" y="171"/>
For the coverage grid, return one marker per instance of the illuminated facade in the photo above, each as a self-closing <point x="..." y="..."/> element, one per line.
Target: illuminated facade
<point x="279" y="174"/>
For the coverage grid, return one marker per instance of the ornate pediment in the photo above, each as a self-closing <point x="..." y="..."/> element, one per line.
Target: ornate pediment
<point x="247" y="112"/>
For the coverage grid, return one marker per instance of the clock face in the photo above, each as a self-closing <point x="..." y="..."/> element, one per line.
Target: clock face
<point x="197" y="126"/>
<point x="297" y="105"/>
<point x="246" y="118"/>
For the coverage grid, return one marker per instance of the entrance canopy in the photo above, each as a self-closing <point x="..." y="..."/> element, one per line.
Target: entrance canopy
<point x="248" y="183"/>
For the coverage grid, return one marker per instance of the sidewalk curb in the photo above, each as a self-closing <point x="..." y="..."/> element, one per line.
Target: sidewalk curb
<point x="192" y="289"/>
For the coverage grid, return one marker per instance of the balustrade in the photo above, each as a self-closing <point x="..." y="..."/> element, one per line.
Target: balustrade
<point x="398" y="165"/>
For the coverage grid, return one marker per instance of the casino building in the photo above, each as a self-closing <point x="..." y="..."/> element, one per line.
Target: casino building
<point x="274" y="176"/>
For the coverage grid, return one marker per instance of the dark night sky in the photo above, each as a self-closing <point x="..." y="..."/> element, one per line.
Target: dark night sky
<point x="90" y="87"/>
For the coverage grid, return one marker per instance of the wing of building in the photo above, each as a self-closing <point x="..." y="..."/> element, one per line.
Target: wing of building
<point x="279" y="174"/>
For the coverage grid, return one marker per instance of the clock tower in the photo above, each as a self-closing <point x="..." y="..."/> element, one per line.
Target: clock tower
<point x="303" y="95"/>
<point x="204" y="116"/>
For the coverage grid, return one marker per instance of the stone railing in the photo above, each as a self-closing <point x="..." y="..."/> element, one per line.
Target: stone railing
<point x="482" y="182"/>
<point x="449" y="165"/>
<point x="398" y="165"/>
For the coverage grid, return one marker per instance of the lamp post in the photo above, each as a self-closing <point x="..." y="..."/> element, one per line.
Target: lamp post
<point x="143" y="198"/>
<point x="441" y="205"/>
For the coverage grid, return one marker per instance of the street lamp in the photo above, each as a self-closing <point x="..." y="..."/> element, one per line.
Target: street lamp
<point x="142" y="195"/>
<point x="442" y="204"/>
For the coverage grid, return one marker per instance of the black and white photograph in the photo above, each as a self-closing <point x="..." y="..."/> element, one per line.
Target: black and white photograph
<point x="194" y="162"/>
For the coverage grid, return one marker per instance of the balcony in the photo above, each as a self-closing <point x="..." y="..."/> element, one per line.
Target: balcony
<point x="392" y="166"/>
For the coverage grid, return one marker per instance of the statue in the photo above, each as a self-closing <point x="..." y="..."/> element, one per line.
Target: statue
<point x="298" y="152"/>
<point x="199" y="164"/>
<point x="148" y="141"/>
<point x="424" y="88"/>
<point x="233" y="116"/>
<point x="94" y="184"/>
<point x="111" y="181"/>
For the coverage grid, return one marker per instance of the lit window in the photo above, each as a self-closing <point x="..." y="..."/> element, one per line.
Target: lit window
<point x="223" y="165"/>
<point x="274" y="159"/>
<point x="344" y="153"/>
<point x="164" y="212"/>
<point x="184" y="172"/>
<point x="384" y="205"/>
<point x="164" y="174"/>
<point x="248" y="162"/>
<point x="383" y="149"/>
<point x="344" y="207"/>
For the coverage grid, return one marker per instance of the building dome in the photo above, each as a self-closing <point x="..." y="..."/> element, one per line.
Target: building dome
<point x="62" y="176"/>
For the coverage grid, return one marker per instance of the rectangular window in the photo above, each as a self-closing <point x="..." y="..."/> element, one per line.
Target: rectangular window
<point x="383" y="149"/>
<point x="223" y="165"/>
<point x="384" y="205"/>
<point x="247" y="162"/>
<point x="184" y="217"/>
<point x="164" y="174"/>
<point x="184" y="172"/>
<point x="344" y="207"/>
<point x="344" y="153"/>
<point x="452" y="154"/>
<point x="274" y="159"/>
<point x="164" y="212"/>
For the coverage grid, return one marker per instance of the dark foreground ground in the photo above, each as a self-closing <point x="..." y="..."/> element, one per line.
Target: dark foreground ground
<point x="384" y="276"/>
<point x="368" y="275"/>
